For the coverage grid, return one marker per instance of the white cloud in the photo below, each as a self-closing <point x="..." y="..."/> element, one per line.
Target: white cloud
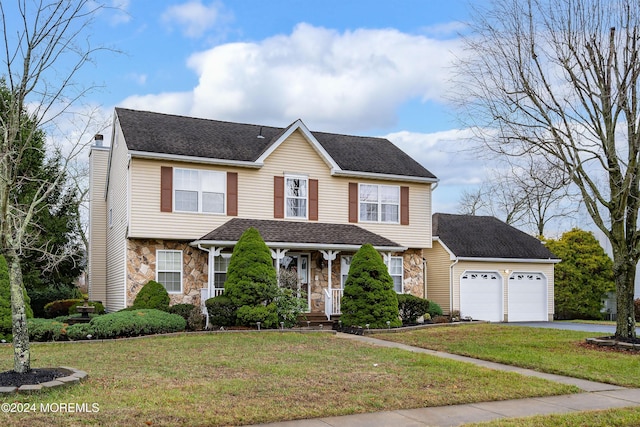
<point x="344" y="82"/>
<point x="193" y="17"/>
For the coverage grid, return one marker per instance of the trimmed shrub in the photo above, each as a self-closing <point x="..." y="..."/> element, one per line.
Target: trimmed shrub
<point x="6" y="326"/>
<point x="411" y="307"/>
<point x="99" y="308"/>
<point x="153" y="296"/>
<point x="46" y="330"/>
<point x="136" y="322"/>
<point x="434" y="309"/>
<point x="80" y="331"/>
<point x="289" y="306"/>
<point x="251" y="278"/>
<point x="251" y="315"/>
<point x="369" y="296"/>
<point x="222" y="312"/>
<point x="60" y="307"/>
<point x="41" y="297"/>
<point x="191" y="314"/>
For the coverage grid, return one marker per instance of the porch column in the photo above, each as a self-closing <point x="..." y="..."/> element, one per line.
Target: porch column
<point x="213" y="252"/>
<point x="329" y="256"/>
<point x="278" y="254"/>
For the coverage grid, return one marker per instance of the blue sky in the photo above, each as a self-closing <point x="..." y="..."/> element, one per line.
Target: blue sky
<point x="364" y="67"/>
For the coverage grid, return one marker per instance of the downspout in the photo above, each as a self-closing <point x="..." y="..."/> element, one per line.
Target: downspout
<point x="451" y="285"/>
<point x="424" y="278"/>
<point x="209" y="267"/>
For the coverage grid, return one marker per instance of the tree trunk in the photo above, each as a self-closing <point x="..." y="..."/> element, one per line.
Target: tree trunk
<point x="21" y="353"/>
<point x="625" y="274"/>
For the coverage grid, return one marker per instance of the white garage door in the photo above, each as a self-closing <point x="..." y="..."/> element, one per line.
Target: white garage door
<point x="481" y="296"/>
<point x="527" y="297"/>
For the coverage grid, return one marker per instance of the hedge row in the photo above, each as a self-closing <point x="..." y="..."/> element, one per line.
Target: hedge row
<point x="121" y="324"/>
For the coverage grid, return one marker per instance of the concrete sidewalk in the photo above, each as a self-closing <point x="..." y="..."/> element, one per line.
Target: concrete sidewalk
<point x="596" y="396"/>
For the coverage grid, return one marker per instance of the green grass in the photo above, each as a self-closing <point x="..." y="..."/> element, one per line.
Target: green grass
<point x="627" y="417"/>
<point x="247" y="378"/>
<point x="548" y="350"/>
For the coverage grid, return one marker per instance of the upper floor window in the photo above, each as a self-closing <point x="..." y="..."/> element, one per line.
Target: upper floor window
<point x="199" y="190"/>
<point x="169" y="270"/>
<point x="379" y="203"/>
<point x="296" y="196"/>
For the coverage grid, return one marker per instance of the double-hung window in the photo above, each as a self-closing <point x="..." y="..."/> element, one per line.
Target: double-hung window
<point x="345" y="263"/>
<point x="199" y="190"/>
<point x="396" y="271"/>
<point x="379" y="203"/>
<point x="169" y="270"/>
<point x="296" y="196"/>
<point x="220" y="265"/>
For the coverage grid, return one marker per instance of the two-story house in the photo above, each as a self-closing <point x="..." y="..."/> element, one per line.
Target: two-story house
<point x="171" y="196"/>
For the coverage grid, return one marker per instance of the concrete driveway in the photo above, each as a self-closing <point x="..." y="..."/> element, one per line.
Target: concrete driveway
<point x="572" y="326"/>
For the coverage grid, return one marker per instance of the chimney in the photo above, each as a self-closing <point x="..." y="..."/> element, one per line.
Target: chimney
<point x="98" y="140"/>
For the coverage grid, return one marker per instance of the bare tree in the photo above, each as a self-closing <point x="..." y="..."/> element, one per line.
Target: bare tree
<point x="559" y="79"/>
<point x="45" y="46"/>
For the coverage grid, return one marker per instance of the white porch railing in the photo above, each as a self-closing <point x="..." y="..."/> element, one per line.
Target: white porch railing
<point x="332" y="301"/>
<point x="204" y="296"/>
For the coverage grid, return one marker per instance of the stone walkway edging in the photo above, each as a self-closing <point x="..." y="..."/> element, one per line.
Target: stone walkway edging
<point x="75" y="376"/>
<point x="612" y="342"/>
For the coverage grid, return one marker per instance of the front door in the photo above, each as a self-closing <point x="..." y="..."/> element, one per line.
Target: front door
<point x="294" y="269"/>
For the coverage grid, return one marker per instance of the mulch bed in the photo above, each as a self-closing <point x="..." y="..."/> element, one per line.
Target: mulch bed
<point x="35" y="376"/>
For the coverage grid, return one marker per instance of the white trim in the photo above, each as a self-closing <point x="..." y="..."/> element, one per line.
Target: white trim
<point x="389" y="177"/>
<point x="301" y="246"/>
<point x="299" y="125"/>
<point x="299" y="177"/>
<point x="194" y="159"/>
<point x="378" y="203"/>
<point x="512" y="260"/>
<point x="171" y="271"/>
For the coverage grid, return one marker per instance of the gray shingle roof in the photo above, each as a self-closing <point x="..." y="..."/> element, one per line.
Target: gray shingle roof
<point x="299" y="232"/>
<point x="187" y="136"/>
<point x="486" y="237"/>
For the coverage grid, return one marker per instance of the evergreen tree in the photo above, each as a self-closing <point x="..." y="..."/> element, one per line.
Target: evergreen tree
<point x="251" y="283"/>
<point x="369" y="296"/>
<point x="583" y="277"/>
<point x="52" y="256"/>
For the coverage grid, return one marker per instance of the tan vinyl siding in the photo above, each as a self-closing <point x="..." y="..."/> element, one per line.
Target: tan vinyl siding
<point x="500" y="267"/>
<point x="255" y="197"/>
<point x="438" y="282"/>
<point x="97" y="257"/>
<point x="117" y="232"/>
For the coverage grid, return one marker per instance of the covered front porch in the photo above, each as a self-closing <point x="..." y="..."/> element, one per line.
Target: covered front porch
<point x="317" y="255"/>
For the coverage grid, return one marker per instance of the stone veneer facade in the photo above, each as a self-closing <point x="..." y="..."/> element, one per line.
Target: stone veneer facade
<point x="141" y="267"/>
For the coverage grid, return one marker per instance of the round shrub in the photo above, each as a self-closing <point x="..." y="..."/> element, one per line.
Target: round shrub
<point x="191" y="314"/>
<point x="369" y="297"/>
<point x="136" y="322"/>
<point x="152" y="295"/>
<point x="222" y="312"/>
<point x="60" y="307"/>
<point x="41" y="297"/>
<point x="434" y="309"/>
<point x="250" y="315"/>
<point x="80" y="331"/>
<point x="99" y="308"/>
<point x="411" y="307"/>
<point x="46" y="330"/>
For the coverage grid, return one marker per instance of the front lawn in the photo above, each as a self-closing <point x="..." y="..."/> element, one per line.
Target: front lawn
<point x="548" y="350"/>
<point x="245" y="378"/>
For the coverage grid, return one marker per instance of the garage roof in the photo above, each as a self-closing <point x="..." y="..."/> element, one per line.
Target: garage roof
<point x="470" y="236"/>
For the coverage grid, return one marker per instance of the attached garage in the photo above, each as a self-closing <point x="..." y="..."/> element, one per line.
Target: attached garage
<point x="481" y="296"/>
<point x="527" y="297"/>
<point x="489" y="270"/>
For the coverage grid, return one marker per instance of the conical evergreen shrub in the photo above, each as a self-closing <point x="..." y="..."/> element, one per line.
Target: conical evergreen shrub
<point x="369" y="296"/>
<point x="251" y="279"/>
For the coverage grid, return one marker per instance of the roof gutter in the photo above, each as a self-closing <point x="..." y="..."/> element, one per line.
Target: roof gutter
<point x="512" y="260"/>
<point x="390" y="177"/>
<point x="299" y="246"/>
<point x="194" y="159"/>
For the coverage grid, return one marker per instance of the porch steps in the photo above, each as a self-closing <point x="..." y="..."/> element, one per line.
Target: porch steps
<point x="314" y="320"/>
